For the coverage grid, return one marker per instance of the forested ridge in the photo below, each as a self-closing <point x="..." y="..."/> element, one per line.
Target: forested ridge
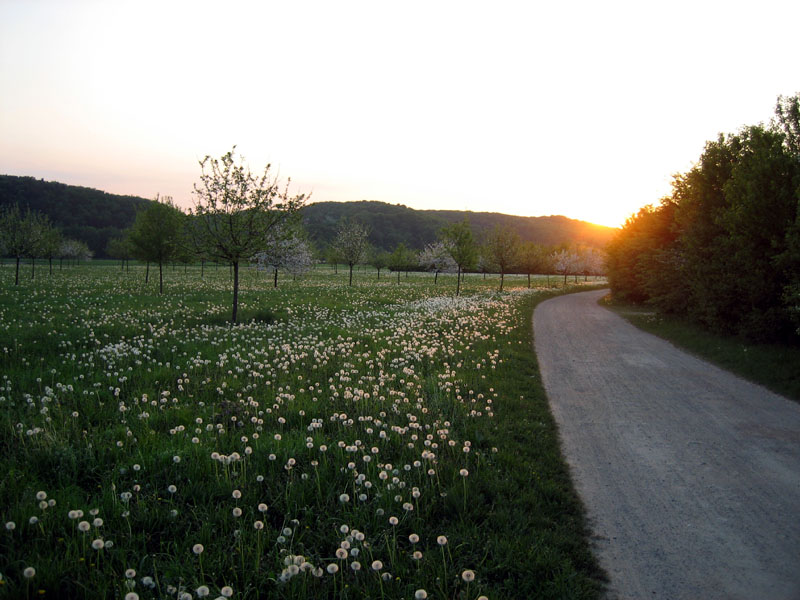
<point x="723" y="249"/>
<point x="392" y="224"/>
<point x="91" y="216"/>
<point x="95" y="217"/>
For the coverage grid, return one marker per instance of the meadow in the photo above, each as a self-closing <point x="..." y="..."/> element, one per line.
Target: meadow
<point x="385" y="440"/>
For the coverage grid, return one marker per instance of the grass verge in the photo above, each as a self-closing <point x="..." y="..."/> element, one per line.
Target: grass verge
<point x="533" y="510"/>
<point x="775" y="366"/>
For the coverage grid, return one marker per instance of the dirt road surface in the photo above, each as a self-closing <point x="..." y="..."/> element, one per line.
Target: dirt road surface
<point x="690" y="475"/>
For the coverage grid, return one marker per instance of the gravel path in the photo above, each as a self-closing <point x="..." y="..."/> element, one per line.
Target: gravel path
<point x="690" y="475"/>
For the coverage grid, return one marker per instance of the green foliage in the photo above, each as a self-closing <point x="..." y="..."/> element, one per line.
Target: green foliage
<point x="156" y="234"/>
<point x="504" y="249"/>
<point x="460" y="244"/>
<point x="235" y="210"/>
<point x="723" y="248"/>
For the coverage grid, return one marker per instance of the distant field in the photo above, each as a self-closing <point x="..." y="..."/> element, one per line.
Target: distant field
<point x="340" y="443"/>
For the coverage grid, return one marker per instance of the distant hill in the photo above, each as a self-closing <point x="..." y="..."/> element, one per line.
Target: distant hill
<point x="391" y="224"/>
<point x="95" y="217"/>
<point x="80" y="213"/>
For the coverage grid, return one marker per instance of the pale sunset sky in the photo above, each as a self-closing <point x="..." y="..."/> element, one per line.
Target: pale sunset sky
<point x="582" y="108"/>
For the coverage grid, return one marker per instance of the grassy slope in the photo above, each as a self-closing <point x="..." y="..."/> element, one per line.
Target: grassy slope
<point x="774" y="366"/>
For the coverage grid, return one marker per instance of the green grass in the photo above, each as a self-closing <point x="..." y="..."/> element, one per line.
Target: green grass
<point x="775" y="366"/>
<point x="336" y="407"/>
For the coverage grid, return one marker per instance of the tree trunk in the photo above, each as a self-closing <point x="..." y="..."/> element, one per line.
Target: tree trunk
<point x="379" y="274"/>
<point x="16" y="275"/>
<point x="33" y="268"/>
<point x="529" y="281"/>
<point x="202" y="269"/>
<point x="565" y="278"/>
<point x="147" y="273"/>
<point x="436" y="277"/>
<point x="351" y="274"/>
<point x="160" y="279"/>
<point x="235" y="267"/>
<point x="276" y="278"/>
<point x="501" y="281"/>
<point x="458" y="281"/>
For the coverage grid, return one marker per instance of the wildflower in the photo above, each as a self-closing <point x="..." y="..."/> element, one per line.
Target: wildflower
<point x="237" y="512"/>
<point x="420" y="594"/>
<point x="376" y="565"/>
<point x="463" y="472"/>
<point x="393" y="521"/>
<point x="202" y="591"/>
<point x="33" y="520"/>
<point x="227" y="591"/>
<point x="98" y="522"/>
<point x="11" y="525"/>
<point x="262" y="508"/>
<point x="84" y="526"/>
<point x="332" y="568"/>
<point x="172" y="489"/>
<point x="198" y="549"/>
<point x="130" y="573"/>
<point x="413" y="538"/>
<point x="41" y="495"/>
<point x="341" y="553"/>
<point x="131" y="596"/>
<point x="355" y="565"/>
<point x="236" y="494"/>
<point x="29" y="572"/>
<point x="468" y="575"/>
<point x="417" y="555"/>
<point x="259" y="525"/>
<point x="441" y="540"/>
<point x="344" y="498"/>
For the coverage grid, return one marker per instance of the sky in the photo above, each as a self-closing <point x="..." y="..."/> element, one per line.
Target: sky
<point x="584" y="109"/>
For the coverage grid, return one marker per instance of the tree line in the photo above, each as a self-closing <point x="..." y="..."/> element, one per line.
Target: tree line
<point x="723" y="249"/>
<point x="457" y="250"/>
<point x="30" y="234"/>
<point x="242" y="218"/>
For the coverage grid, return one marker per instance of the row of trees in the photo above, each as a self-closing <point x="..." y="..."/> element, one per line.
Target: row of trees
<point x="724" y="247"/>
<point x="30" y="235"/>
<point x="457" y="251"/>
<point x="240" y="218"/>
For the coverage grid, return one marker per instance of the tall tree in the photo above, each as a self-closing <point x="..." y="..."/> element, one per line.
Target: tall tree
<point x="503" y="248"/>
<point x="402" y="259"/>
<point x="236" y="210"/>
<point x="533" y="259"/>
<point x="156" y="233"/>
<point x="379" y="259"/>
<point x="351" y="244"/>
<point x="49" y="245"/>
<point x="460" y="245"/>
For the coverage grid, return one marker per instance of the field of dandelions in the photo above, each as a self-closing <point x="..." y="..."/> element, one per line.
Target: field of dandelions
<point x="364" y="442"/>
